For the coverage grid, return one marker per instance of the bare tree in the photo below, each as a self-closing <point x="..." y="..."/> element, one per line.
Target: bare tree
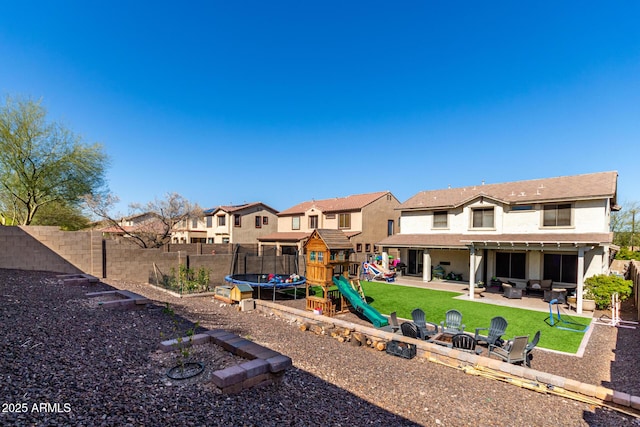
<point x="148" y="225"/>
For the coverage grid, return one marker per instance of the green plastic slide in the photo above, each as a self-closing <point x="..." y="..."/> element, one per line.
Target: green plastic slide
<point x="369" y="312"/>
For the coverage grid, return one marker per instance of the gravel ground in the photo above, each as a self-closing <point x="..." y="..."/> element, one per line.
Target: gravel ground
<point x="66" y="361"/>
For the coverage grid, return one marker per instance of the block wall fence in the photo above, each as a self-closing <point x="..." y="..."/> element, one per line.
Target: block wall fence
<point x="44" y="248"/>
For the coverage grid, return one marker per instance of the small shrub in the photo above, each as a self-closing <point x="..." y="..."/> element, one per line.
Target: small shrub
<point x="600" y="288"/>
<point x="185" y="280"/>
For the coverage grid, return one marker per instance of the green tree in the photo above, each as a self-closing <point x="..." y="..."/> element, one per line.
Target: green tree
<point x="625" y="225"/>
<point x="67" y="217"/>
<point x="42" y="163"/>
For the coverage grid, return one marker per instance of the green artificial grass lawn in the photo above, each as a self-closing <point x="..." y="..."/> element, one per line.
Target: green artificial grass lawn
<point x="403" y="299"/>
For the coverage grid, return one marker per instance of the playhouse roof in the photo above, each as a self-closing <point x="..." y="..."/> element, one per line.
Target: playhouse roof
<point x="333" y="239"/>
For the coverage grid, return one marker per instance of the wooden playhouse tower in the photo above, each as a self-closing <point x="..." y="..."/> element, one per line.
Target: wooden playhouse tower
<point x="327" y="254"/>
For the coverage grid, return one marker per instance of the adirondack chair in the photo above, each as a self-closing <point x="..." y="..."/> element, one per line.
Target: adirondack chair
<point x="530" y="346"/>
<point x="514" y="351"/>
<point x="409" y="329"/>
<point x="426" y="329"/>
<point x="393" y="321"/>
<point x="496" y="329"/>
<point x="452" y="323"/>
<point x="465" y="342"/>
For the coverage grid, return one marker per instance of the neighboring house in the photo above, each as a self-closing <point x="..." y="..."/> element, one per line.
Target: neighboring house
<point x="364" y="218"/>
<point x="554" y="228"/>
<point x="229" y="224"/>
<point x="140" y="223"/>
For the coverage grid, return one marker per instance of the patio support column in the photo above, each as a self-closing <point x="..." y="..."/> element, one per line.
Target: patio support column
<point x="580" y="284"/>
<point x="426" y="266"/>
<point x="472" y="272"/>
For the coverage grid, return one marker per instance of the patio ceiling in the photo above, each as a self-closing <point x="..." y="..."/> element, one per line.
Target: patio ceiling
<point x="522" y="241"/>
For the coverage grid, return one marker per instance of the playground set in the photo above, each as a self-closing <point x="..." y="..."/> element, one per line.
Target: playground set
<point x="328" y="265"/>
<point x="372" y="271"/>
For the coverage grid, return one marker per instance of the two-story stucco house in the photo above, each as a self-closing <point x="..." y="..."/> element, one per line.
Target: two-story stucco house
<point x="553" y="228"/>
<point x="364" y="218"/>
<point x="228" y="224"/>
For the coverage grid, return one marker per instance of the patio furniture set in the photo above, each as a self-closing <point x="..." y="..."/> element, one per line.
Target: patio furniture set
<point x="546" y="288"/>
<point x="450" y="332"/>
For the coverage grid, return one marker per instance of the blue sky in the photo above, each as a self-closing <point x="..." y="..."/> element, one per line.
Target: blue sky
<point x="286" y="101"/>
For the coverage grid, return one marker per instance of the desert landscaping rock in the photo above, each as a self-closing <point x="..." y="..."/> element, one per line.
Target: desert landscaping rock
<point x="86" y="366"/>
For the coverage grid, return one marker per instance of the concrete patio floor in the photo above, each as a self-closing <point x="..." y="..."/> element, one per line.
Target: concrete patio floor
<point x="491" y="296"/>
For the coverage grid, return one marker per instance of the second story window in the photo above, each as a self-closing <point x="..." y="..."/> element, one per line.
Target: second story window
<point x="237" y="220"/>
<point x="557" y="215"/>
<point x="209" y="221"/>
<point x="440" y="219"/>
<point x="222" y="221"/>
<point x="482" y="218"/>
<point x="194" y="223"/>
<point x="344" y="220"/>
<point x="295" y="223"/>
<point x="265" y="220"/>
<point x="258" y="222"/>
<point x="313" y="222"/>
<point x="389" y="227"/>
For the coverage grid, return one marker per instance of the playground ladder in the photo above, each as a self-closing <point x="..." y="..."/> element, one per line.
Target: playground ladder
<point x="355" y="284"/>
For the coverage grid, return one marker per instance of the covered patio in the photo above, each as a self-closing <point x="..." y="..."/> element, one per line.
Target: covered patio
<point x="566" y="259"/>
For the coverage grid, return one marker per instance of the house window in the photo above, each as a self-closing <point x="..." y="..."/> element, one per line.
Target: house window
<point x="258" y="222"/>
<point x="237" y="220"/>
<point x="390" y="227"/>
<point x="221" y="221"/>
<point x="344" y="220"/>
<point x="358" y="247"/>
<point x="194" y="223"/>
<point x="313" y="222"/>
<point x="511" y="265"/>
<point x="295" y="223"/>
<point x="265" y="220"/>
<point x="209" y="221"/>
<point x="320" y="256"/>
<point x="367" y="247"/>
<point x="440" y="219"/>
<point x="331" y="216"/>
<point x="312" y="256"/>
<point x="521" y="208"/>
<point x="557" y="215"/>
<point x="482" y="218"/>
<point x="561" y="268"/>
<point x="210" y="239"/>
<point x="225" y="240"/>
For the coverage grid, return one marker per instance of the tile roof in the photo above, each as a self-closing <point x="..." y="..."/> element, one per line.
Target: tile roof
<point x="576" y="187"/>
<point x="284" y="236"/>
<point x="236" y="208"/>
<point x="338" y="204"/>
<point x="294" y="236"/>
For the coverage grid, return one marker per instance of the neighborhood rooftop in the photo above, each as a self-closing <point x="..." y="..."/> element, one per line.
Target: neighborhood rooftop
<point x="576" y="187"/>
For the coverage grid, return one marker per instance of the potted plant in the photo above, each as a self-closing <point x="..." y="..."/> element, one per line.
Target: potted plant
<point x="479" y="288"/>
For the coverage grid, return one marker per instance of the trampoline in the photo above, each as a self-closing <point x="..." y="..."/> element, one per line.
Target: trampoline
<point x="273" y="282"/>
